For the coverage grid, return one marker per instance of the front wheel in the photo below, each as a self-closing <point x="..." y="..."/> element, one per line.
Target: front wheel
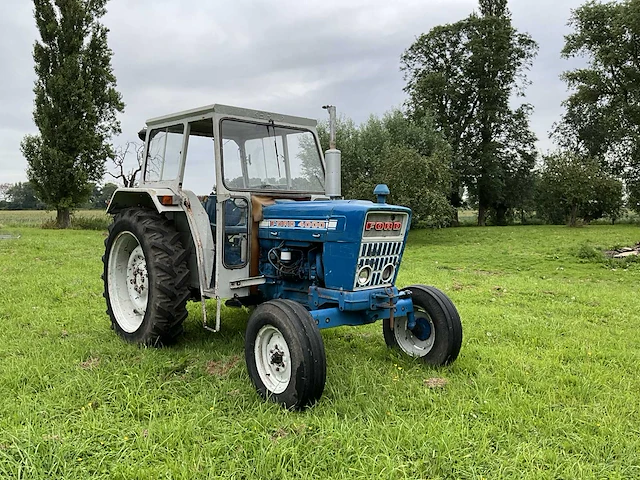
<point x="285" y="354"/>
<point x="436" y="337"/>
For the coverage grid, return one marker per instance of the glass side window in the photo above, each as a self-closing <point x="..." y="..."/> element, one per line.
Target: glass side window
<point x="236" y="232"/>
<point x="234" y="177"/>
<point x="164" y="153"/>
<point x="200" y="166"/>
<point x="268" y="157"/>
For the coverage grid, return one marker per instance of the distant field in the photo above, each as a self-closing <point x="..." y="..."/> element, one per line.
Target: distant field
<point x="470" y="217"/>
<point x="35" y="218"/>
<point x="546" y="385"/>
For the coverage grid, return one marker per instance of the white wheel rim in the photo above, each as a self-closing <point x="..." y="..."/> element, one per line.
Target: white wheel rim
<point x="128" y="282"/>
<point x="273" y="360"/>
<point x="408" y="342"/>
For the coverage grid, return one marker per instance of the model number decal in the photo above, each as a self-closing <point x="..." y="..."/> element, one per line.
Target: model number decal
<point x="312" y="224"/>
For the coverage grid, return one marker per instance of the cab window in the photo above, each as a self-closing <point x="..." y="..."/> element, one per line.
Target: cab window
<point x="164" y="154"/>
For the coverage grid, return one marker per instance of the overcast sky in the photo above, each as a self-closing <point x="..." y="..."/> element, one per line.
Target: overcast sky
<point x="288" y="56"/>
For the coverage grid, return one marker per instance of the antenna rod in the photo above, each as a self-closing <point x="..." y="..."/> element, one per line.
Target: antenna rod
<point x="332" y="158"/>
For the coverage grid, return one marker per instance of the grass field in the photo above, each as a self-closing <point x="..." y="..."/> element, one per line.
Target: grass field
<point x="546" y="385"/>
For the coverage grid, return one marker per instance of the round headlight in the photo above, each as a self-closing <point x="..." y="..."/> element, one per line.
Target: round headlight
<point x="387" y="272"/>
<point x="364" y="275"/>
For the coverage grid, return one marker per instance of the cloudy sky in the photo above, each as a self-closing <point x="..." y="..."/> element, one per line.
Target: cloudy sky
<point x="289" y="56"/>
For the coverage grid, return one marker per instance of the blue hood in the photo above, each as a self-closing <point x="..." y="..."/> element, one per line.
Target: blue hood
<point x="348" y="215"/>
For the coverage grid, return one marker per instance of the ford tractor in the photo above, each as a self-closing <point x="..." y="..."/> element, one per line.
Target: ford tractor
<point x="241" y="206"/>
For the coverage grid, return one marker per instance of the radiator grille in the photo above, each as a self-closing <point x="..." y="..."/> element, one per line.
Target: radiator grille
<point x="378" y="255"/>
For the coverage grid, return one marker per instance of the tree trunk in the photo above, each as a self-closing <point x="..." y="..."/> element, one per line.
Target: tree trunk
<point x="63" y="218"/>
<point x="482" y="215"/>
<point x="501" y="216"/>
<point x="455" y="200"/>
<point x="573" y="219"/>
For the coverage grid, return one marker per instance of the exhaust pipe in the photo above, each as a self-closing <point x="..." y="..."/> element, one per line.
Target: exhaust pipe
<point x="333" y="160"/>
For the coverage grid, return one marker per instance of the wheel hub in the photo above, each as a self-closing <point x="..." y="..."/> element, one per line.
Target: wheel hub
<point x="128" y="281"/>
<point x="416" y="341"/>
<point x="138" y="280"/>
<point x="273" y="359"/>
<point x="422" y="330"/>
<point x="277" y="358"/>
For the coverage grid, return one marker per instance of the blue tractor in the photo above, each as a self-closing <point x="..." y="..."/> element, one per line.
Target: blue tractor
<point x="267" y="229"/>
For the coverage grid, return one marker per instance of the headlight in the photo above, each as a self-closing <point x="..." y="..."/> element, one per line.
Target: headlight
<point x="364" y="275"/>
<point x="387" y="272"/>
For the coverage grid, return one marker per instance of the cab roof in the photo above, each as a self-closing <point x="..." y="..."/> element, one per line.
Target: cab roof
<point x="236" y="112"/>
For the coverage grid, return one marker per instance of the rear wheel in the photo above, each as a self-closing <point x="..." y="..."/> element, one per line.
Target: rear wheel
<point x="285" y="354"/>
<point x="145" y="277"/>
<point x="436" y="337"/>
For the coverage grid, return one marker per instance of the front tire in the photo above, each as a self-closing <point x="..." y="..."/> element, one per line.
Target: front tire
<point x="437" y="336"/>
<point x="146" y="278"/>
<point x="285" y="354"/>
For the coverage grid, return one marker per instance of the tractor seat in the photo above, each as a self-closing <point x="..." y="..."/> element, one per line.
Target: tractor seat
<point x="210" y="208"/>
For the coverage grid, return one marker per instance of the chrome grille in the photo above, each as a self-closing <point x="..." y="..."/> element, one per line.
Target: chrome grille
<point x="377" y="255"/>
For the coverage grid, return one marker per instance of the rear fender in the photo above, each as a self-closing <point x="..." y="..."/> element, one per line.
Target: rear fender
<point x="143" y="197"/>
<point x="190" y="219"/>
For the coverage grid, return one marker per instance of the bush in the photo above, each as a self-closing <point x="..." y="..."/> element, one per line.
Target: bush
<point x="411" y="158"/>
<point x="591" y="254"/>
<point x="82" y="222"/>
<point x="571" y="188"/>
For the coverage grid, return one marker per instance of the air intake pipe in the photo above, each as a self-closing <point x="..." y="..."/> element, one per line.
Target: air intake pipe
<point x="333" y="160"/>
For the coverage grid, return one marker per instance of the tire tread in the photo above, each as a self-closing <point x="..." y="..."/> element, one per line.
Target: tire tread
<point x="166" y="257"/>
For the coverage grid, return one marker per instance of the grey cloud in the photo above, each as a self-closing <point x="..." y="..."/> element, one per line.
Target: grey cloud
<point x="287" y="56"/>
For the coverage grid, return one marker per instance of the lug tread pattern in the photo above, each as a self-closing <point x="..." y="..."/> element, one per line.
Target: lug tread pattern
<point x="168" y="275"/>
<point x="312" y="332"/>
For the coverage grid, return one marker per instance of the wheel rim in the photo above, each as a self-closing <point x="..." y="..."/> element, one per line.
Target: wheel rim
<point x="273" y="360"/>
<point x="128" y="282"/>
<point x="418" y="341"/>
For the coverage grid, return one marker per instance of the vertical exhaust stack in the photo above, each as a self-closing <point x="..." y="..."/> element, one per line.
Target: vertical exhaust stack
<point x="333" y="159"/>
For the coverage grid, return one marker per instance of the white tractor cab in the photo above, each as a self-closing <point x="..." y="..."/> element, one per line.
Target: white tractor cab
<point x="240" y="205"/>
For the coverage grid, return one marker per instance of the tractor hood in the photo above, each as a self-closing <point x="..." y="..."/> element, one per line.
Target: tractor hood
<point x="326" y="220"/>
<point x="354" y="234"/>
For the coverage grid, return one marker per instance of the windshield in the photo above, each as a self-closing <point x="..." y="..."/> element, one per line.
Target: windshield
<point x="268" y="157"/>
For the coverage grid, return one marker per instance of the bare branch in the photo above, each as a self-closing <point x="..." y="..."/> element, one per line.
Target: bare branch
<point x="127" y="177"/>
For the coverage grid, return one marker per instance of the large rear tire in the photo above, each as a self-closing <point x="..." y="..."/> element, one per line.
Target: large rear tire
<point x="285" y="354"/>
<point x="146" y="277"/>
<point x="437" y="336"/>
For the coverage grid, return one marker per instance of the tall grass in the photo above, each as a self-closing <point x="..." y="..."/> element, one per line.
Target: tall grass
<point x="80" y="219"/>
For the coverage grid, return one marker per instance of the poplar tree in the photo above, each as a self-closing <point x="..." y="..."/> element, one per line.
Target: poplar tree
<point x="76" y="103"/>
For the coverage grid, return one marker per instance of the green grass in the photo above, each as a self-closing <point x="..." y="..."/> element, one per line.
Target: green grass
<point x="546" y="385"/>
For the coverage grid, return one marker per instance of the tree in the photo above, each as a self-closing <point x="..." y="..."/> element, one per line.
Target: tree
<point x="3" y="189"/>
<point x="633" y="192"/>
<point x="602" y="118"/>
<point x="100" y="196"/>
<point x="22" y="196"/>
<point x="128" y="178"/>
<point x="75" y="103"/>
<point x="4" y="204"/>
<point x="572" y="187"/>
<point x="412" y="159"/>
<point x="466" y="74"/>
